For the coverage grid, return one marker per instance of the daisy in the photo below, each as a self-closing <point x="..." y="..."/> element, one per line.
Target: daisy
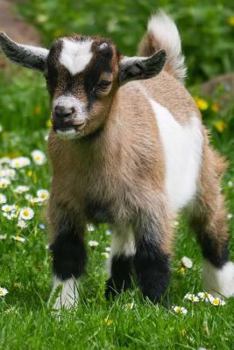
<point x="3" y="198"/>
<point x="108" y="249"/>
<point x="28" y="197"/>
<point x="3" y="292"/>
<point x="43" y="195"/>
<point x="90" y="227"/>
<point x="192" y="297"/>
<point x="10" y="216"/>
<point x="8" y="173"/>
<point x="216" y="301"/>
<point x="4" y="161"/>
<point x="108" y="232"/>
<point x="7" y="208"/>
<point x="187" y="262"/>
<point x="19" y="239"/>
<point x="93" y="244"/>
<point x="229" y="216"/>
<point x="180" y="310"/>
<point x="38" y="157"/>
<point x="26" y="213"/>
<point x="21" y="189"/>
<point x="20" y="162"/>
<point x="105" y="254"/>
<point x="2" y="237"/>
<point x="22" y="224"/>
<point x="4" y="182"/>
<point x="204" y="296"/>
<point x="230" y="183"/>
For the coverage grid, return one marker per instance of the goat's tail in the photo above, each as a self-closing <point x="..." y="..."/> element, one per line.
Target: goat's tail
<point x="162" y="33"/>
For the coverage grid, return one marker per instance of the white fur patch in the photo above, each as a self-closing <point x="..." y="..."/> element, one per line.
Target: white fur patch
<point x="182" y="146"/>
<point x="76" y="55"/>
<point x="67" y="293"/>
<point x="219" y="281"/>
<point x="68" y="134"/>
<point x="166" y="35"/>
<point x="123" y="242"/>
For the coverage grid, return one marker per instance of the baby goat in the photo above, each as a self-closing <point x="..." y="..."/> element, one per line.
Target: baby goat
<point x="128" y="148"/>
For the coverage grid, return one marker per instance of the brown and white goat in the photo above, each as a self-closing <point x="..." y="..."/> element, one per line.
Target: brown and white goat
<point x="128" y="148"/>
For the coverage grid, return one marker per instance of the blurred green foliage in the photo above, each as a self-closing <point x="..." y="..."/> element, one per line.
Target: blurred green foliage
<point x="207" y="27"/>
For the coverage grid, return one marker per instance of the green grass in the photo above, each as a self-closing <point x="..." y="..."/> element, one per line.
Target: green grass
<point x="129" y="322"/>
<point x="26" y="321"/>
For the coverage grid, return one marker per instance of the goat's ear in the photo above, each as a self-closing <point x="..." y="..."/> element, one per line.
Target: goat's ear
<point x="135" y="68"/>
<point x="28" y="56"/>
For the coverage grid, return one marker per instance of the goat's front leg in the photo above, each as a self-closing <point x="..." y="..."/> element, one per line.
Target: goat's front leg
<point x="69" y="257"/>
<point x="152" y="258"/>
<point x="121" y="260"/>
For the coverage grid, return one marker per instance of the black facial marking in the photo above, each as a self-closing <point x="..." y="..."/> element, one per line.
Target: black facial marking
<point x="120" y="280"/>
<point x="68" y="252"/>
<point x="101" y="63"/>
<point x="152" y="269"/>
<point x="52" y="66"/>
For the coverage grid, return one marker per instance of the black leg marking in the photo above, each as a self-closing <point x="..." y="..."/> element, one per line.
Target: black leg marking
<point x="120" y="280"/>
<point x="69" y="256"/>
<point x="213" y="252"/>
<point x="152" y="269"/>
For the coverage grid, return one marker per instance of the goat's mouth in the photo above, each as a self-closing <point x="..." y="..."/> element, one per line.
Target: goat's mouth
<point x="68" y="129"/>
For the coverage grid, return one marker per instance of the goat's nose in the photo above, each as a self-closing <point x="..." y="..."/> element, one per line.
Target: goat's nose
<point x="63" y="112"/>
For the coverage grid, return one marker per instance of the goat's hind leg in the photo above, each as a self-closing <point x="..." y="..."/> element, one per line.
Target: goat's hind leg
<point x="209" y="220"/>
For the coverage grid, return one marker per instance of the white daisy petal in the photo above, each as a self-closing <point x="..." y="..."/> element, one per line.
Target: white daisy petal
<point x="21" y="189"/>
<point x="26" y="213"/>
<point x="4" y="182"/>
<point x="20" y="162"/>
<point x="3" y="292"/>
<point x="43" y="195"/>
<point x="19" y="239"/>
<point x="38" y="157"/>
<point x="3" y="198"/>
<point x="187" y="262"/>
<point x="93" y="244"/>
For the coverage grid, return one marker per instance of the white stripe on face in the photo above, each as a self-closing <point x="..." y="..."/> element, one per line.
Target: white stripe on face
<point x="76" y="55"/>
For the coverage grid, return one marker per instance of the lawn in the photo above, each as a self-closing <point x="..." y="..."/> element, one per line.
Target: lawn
<point x="128" y="322"/>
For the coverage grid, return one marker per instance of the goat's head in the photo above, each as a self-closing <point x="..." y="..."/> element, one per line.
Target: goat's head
<point x="83" y="74"/>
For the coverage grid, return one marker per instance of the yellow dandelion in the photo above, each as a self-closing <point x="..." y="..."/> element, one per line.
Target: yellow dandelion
<point x="220" y="125"/>
<point x="215" y="107"/>
<point x="231" y="21"/>
<point x="201" y="103"/>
